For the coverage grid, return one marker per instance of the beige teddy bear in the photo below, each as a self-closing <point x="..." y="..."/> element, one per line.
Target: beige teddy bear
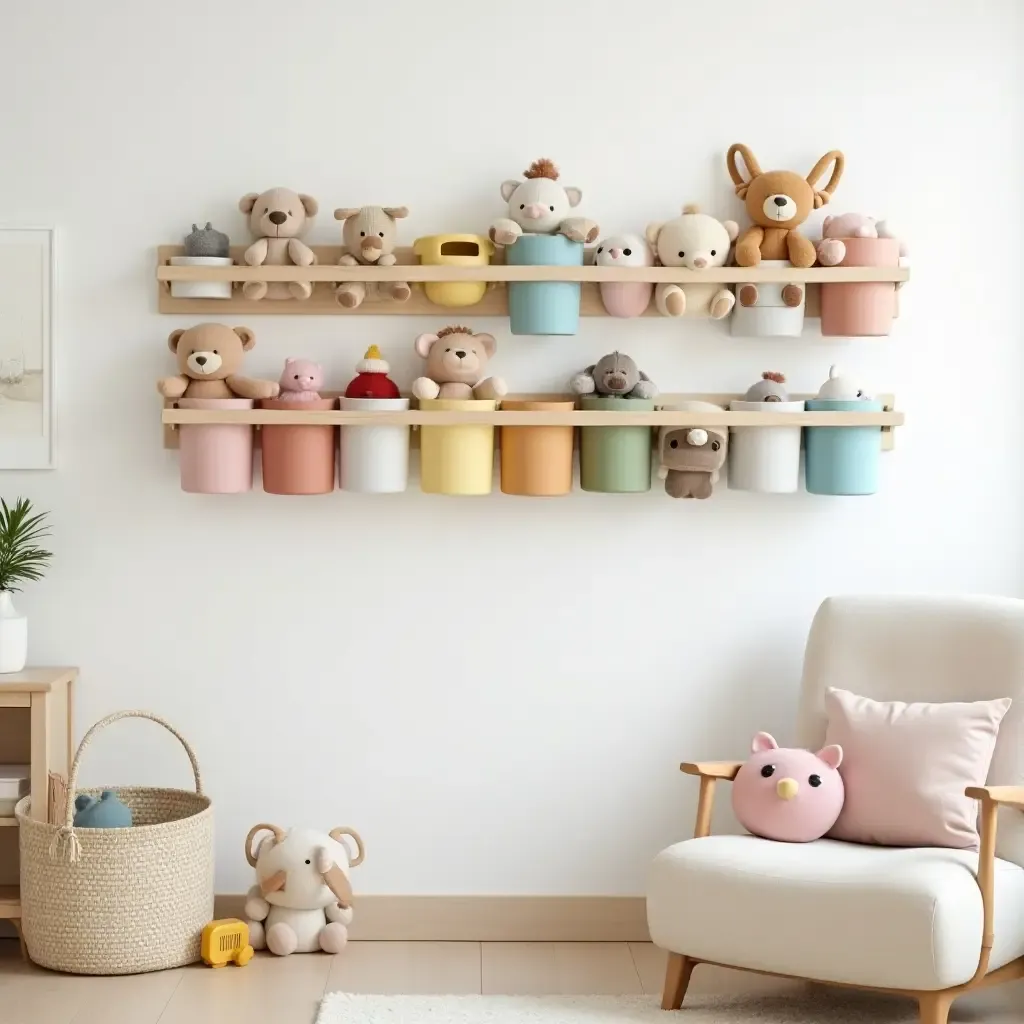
<point x="369" y="234"/>
<point x="456" y="361"/>
<point x="277" y="218"/>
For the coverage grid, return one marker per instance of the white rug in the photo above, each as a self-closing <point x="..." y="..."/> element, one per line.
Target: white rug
<point x="814" y="1007"/>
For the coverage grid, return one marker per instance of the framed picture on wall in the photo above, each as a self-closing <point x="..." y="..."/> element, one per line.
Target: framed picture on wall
<point x="26" y="348"/>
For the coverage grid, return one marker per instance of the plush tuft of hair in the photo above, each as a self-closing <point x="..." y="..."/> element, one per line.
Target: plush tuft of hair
<point x="691" y="208"/>
<point x="453" y="329"/>
<point x="542" y="168"/>
<point x="779" y="378"/>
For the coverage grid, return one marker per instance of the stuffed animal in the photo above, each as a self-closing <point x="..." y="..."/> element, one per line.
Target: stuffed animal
<point x="106" y="811"/>
<point x="456" y="361"/>
<point x="614" y="376"/>
<point x="770" y="388"/>
<point x="277" y="218"/>
<point x="778" y="202"/>
<point x="207" y="242"/>
<point x="300" y="380"/>
<point x="831" y="250"/>
<point x="372" y="380"/>
<point x="691" y="459"/>
<point x="540" y="206"/>
<point x="624" y="298"/>
<point x="841" y="388"/>
<point x="787" y="794"/>
<point x="695" y="241"/>
<point x="369" y="234"/>
<point x="302" y="900"/>
<point x="209" y="358"/>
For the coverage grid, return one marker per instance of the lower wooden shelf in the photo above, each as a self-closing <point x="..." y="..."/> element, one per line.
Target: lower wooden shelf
<point x="10" y="902"/>
<point x="9" y="822"/>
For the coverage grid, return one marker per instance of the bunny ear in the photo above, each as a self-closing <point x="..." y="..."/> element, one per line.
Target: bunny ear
<point x="832" y="755"/>
<point x="763" y="741"/>
<point x="749" y="160"/>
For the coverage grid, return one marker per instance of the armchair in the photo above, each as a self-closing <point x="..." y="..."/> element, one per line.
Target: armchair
<point x="930" y="923"/>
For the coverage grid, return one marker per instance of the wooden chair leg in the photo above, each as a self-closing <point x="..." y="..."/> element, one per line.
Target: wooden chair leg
<point x="934" y="1007"/>
<point x="677" y="979"/>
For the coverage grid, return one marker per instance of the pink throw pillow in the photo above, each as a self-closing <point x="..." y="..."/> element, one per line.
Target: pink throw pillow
<point x="906" y="766"/>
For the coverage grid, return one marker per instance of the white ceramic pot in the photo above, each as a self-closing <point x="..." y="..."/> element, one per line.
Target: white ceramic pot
<point x="201" y="289"/>
<point x="374" y="460"/>
<point x="770" y="317"/>
<point x="765" y="459"/>
<point x="13" y="635"/>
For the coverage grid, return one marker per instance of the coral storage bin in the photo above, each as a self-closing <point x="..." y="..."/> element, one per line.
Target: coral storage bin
<point x="863" y="310"/>
<point x="374" y="459"/>
<point x="765" y="459"/>
<point x="615" y="460"/>
<point x="454" y="251"/>
<point x="456" y="459"/>
<point x="536" y="461"/>
<point x="298" y="459"/>
<point x="842" y="460"/>
<point x="119" y="900"/>
<point x="215" y="458"/>
<point x="544" y="307"/>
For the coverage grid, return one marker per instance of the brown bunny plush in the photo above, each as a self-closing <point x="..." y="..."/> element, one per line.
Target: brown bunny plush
<point x="778" y="202"/>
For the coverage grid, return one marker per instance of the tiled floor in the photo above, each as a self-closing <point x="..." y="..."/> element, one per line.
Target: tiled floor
<point x="274" y="990"/>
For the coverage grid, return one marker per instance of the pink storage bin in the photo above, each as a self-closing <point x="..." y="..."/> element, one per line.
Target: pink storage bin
<point x="626" y="298"/>
<point x="215" y="458"/>
<point x="861" y="310"/>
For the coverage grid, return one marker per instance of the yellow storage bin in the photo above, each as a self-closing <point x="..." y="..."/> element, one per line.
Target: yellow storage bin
<point x="457" y="460"/>
<point x="454" y="251"/>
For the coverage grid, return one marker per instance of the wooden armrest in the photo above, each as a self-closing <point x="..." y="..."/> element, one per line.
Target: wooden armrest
<point x="712" y="769"/>
<point x="1009" y="796"/>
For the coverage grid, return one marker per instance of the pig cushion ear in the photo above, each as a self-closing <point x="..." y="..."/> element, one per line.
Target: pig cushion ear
<point x="507" y="188"/>
<point x="575" y="196"/>
<point x="423" y="343"/>
<point x="763" y="741"/>
<point x="832" y="755"/>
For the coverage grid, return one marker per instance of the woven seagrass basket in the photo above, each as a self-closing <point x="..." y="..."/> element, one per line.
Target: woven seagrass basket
<point x="119" y="900"/>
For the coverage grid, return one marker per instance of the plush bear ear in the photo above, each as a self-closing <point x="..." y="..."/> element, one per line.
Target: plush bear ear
<point x="832" y="755"/>
<point x="822" y="196"/>
<point x="247" y="336"/>
<point x="172" y="339"/>
<point x="652" y="232"/>
<point x="507" y="188"/>
<point x="763" y="741"/>
<point x="487" y="340"/>
<point x="396" y="212"/>
<point x="309" y="204"/>
<point x="344" y="212"/>
<point x="575" y="196"/>
<point x="248" y="201"/>
<point x="732" y="229"/>
<point x="753" y="168"/>
<point x="423" y="343"/>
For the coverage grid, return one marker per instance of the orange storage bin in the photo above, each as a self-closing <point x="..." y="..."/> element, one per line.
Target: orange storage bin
<point x="536" y="461"/>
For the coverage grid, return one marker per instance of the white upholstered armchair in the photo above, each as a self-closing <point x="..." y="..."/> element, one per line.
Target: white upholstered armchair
<point x="926" y="922"/>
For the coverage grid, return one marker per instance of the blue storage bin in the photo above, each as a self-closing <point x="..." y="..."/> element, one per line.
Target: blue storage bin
<point x="842" y="460"/>
<point x="544" y="307"/>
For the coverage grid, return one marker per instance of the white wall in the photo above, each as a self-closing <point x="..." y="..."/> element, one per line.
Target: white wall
<point x="497" y="692"/>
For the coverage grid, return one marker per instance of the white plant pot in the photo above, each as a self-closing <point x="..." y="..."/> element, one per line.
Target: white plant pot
<point x="201" y="289"/>
<point x="13" y="635"/>
<point x="765" y="459"/>
<point x="374" y="460"/>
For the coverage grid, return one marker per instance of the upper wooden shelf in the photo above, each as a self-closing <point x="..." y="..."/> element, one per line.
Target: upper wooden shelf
<point x="36" y="680"/>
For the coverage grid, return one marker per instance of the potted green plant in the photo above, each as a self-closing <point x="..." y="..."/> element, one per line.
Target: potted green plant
<point x="21" y="560"/>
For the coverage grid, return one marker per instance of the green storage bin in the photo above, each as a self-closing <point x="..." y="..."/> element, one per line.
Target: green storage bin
<point x="616" y="460"/>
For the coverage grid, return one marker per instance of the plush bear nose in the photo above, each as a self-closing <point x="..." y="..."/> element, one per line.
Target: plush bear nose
<point x="277" y="217"/>
<point x="787" y="788"/>
<point x="779" y="201"/>
<point x="616" y="383"/>
<point x="461" y="353"/>
<point x="201" y="360"/>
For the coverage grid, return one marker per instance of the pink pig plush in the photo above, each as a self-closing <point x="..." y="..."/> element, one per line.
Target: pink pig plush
<point x="300" y="380"/>
<point x="787" y="794"/>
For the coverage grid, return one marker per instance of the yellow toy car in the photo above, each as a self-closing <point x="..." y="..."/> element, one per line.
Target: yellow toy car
<point x="226" y="941"/>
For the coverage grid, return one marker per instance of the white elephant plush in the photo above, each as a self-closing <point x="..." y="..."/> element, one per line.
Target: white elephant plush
<point x="302" y="900"/>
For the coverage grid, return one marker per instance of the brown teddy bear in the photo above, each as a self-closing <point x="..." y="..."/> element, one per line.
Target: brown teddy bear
<point x="277" y="217"/>
<point x="456" y="361"/>
<point x="778" y="202"/>
<point x="209" y="358"/>
<point x="369" y="234"/>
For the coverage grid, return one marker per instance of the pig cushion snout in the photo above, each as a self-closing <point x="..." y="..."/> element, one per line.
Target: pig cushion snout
<point x="787" y="794"/>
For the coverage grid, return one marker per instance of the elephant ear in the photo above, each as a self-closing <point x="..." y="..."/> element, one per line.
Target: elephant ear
<point x="251" y="854"/>
<point x="337" y="833"/>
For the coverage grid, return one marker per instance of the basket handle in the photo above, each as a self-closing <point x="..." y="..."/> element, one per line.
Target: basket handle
<point x="69" y="815"/>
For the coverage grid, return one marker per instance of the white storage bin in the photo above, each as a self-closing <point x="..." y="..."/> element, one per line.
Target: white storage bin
<point x="765" y="459"/>
<point x="374" y="460"/>
<point x="770" y="317"/>
<point x="201" y="289"/>
<point x="14" y="784"/>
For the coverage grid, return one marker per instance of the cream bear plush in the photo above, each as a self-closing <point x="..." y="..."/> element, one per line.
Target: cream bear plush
<point x="369" y="234"/>
<point x="276" y="218"/>
<point x="540" y="206"/>
<point x="697" y="242"/>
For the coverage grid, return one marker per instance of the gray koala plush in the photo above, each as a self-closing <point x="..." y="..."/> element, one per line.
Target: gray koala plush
<point x="614" y="376"/>
<point x="206" y="241"/>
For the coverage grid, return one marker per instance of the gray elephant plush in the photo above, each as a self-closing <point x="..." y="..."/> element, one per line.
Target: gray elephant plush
<point x="614" y="376"/>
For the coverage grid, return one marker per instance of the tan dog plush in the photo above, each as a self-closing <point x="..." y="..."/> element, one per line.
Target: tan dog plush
<point x="209" y="358"/>
<point x="277" y="218"/>
<point x="778" y="202"/>
<point x="456" y="361"/>
<point x="369" y="234"/>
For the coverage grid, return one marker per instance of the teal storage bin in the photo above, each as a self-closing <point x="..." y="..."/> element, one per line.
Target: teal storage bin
<point x="842" y="460"/>
<point x="544" y="307"/>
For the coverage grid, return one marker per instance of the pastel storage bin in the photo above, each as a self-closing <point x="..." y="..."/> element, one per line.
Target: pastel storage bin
<point x="215" y="458"/>
<point x="842" y="460"/>
<point x="616" y="460"/>
<point x="626" y="298"/>
<point x="770" y="317"/>
<point x="456" y="459"/>
<point x="765" y="459"/>
<point x="374" y="459"/>
<point x="536" y="461"/>
<point x="454" y="251"/>
<point x="861" y="310"/>
<point x="544" y="307"/>
<point x="298" y="459"/>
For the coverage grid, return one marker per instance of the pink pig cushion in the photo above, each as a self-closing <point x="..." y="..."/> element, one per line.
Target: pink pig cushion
<point x="790" y="795"/>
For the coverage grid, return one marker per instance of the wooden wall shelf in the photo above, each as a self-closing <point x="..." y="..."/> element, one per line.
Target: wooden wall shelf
<point x="327" y="273"/>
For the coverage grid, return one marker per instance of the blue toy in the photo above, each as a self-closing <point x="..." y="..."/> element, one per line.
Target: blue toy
<point x="106" y="812"/>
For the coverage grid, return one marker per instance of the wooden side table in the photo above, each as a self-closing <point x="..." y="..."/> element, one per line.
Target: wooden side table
<point x="35" y="729"/>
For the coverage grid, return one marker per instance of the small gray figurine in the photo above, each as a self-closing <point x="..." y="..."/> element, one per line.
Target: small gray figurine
<point x="614" y="376"/>
<point x="206" y="241"/>
<point x="770" y="388"/>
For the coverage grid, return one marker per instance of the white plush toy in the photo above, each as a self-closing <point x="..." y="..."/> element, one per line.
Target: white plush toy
<point x="624" y="298"/>
<point x="697" y="242"/>
<point x="302" y="901"/>
<point x="841" y="388"/>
